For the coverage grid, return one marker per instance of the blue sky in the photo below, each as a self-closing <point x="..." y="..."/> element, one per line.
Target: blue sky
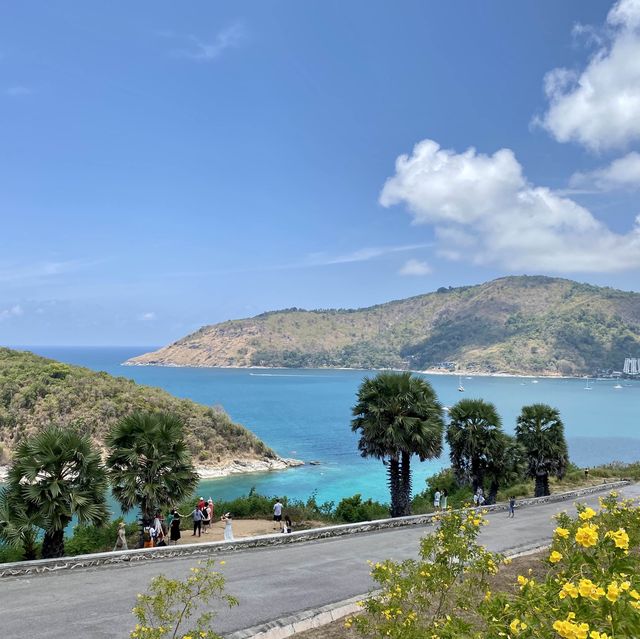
<point x="167" y="165"/>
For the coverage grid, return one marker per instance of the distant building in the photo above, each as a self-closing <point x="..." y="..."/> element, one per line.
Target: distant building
<point x="631" y="366"/>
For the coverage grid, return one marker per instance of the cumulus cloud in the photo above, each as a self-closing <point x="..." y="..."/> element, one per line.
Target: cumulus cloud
<point x="415" y="267"/>
<point x="484" y="209"/>
<point x="599" y="107"/>
<point x="623" y="173"/>
<point x="13" y="311"/>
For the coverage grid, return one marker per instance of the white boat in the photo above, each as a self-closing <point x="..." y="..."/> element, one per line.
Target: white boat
<point x="535" y="381"/>
<point x="618" y="386"/>
<point x="587" y="387"/>
<point x="460" y="386"/>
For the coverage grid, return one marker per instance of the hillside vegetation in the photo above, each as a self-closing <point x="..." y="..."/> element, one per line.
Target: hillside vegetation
<point x="528" y="325"/>
<point x="35" y="391"/>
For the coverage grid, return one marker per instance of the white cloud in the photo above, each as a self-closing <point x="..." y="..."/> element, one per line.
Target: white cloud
<point x="485" y="210"/>
<point x="13" y="311"/>
<point x="599" y="107"/>
<point x="18" y="91"/>
<point x="147" y="317"/>
<point x="415" y="267"/>
<point x="621" y="173"/>
<point x="208" y="51"/>
<point x="359" y="255"/>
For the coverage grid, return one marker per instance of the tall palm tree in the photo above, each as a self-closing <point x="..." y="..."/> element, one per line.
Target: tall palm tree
<point x="474" y="435"/>
<point x="540" y="431"/>
<point x="149" y="464"/>
<point x="398" y="416"/>
<point x="505" y="464"/>
<point x="56" y="475"/>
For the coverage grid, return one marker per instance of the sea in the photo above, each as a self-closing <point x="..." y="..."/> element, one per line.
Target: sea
<point x="306" y="413"/>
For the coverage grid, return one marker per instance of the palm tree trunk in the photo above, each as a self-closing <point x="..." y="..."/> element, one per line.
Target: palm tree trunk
<point x="393" y="472"/>
<point x="476" y="476"/>
<point x="405" y="484"/>
<point x="53" y="544"/>
<point x="542" y="485"/>
<point x="493" y="492"/>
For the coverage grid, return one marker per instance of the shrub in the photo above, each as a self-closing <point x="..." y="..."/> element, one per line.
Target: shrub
<point x="353" y="509"/>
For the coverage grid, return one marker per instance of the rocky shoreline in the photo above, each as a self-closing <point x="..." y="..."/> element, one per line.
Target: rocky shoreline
<point x="235" y="467"/>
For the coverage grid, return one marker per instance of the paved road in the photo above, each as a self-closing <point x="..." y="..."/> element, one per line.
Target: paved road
<point x="270" y="582"/>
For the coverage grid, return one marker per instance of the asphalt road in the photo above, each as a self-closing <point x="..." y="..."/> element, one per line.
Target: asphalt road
<point x="270" y="582"/>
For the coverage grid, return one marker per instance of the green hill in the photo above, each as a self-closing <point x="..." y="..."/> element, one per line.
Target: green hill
<point x="527" y="325"/>
<point x="35" y="391"/>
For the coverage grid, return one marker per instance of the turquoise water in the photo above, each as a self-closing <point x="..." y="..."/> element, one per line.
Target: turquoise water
<point x="306" y="414"/>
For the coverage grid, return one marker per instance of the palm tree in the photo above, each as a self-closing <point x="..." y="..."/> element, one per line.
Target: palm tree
<point x="541" y="433"/>
<point x="55" y="476"/>
<point x="505" y="464"/>
<point x="397" y="416"/>
<point x="18" y="527"/>
<point x="149" y="464"/>
<point x="474" y="435"/>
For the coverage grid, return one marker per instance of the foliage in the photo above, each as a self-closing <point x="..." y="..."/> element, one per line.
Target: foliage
<point x="35" y="391"/>
<point x="149" y="464"/>
<point x="18" y="527"/>
<point x="592" y="587"/>
<point x="354" y="509"/>
<point x="89" y="539"/>
<point x="540" y="432"/>
<point x="474" y="435"/>
<point x="422" y="598"/>
<point x="535" y="325"/>
<point x="170" y="604"/>
<point x="398" y="415"/>
<point x="56" y="475"/>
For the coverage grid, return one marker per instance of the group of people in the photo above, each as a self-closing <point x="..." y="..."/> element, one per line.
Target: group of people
<point x="440" y="499"/>
<point x="166" y="531"/>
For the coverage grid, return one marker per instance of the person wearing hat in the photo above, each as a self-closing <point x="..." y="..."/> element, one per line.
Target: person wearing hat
<point x="121" y="540"/>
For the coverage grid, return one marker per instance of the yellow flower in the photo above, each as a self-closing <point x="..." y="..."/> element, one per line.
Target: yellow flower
<point x="561" y="532"/>
<point x="613" y="592"/>
<point x="594" y="634"/>
<point x="569" y="590"/>
<point x="523" y="581"/>
<point x="635" y="594"/>
<point x="555" y="557"/>
<point x="223" y="562"/>
<point x="620" y="538"/>
<point x="589" y="590"/>
<point x="587" y="535"/>
<point x="517" y="626"/>
<point x="587" y="514"/>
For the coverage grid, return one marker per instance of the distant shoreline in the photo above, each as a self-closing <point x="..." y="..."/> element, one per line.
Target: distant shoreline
<point x="237" y="467"/>
<point x="426" y="371"/>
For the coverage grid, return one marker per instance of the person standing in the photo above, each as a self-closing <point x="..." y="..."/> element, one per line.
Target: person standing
<point x="443" y="500"/>
<point x="197" y="521"/>
<point x="512" y="507"/>
<point x="436" y="499"/>
<point x="277" y="515"/>
<point x="287" y="527"/>
<point x="121" y="540"/>
<point x="206" y="519"/>
<point x="174" y="530"/>
<point x="228" y="530"/>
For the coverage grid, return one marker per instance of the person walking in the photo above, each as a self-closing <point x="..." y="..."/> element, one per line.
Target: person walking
<point x="228" y="530"/>
<point x="197" y="521"/>
<point x="174" y="530"/>
<point x="277" y="514"/>
<point x="443" y="500"/>
<point x="436" y="499"/>
<point x="512" y="507"/>
<point x="121" y="540"/>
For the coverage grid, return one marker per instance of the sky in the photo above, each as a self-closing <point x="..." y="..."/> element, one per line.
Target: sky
<point x="169" y="165"/>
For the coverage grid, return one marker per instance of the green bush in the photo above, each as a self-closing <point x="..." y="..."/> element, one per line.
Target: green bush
<point x="353" y="509"/>
<point x="89" y="539"/>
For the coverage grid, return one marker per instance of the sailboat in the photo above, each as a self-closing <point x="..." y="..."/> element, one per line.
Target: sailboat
<point x="460" y="386"/>
<point x="587" y="387"/>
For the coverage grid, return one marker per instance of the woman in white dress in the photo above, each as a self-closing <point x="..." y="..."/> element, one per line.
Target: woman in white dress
<point x="228" y="531"/>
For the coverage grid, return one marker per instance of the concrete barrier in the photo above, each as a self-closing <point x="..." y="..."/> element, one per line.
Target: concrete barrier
<point x="203" y="550"/>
